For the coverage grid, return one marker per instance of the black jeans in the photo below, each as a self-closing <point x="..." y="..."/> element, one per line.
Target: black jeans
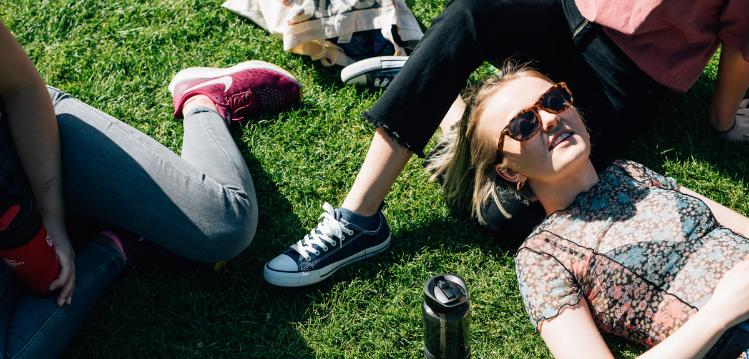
<point x="733" y="343"/>
<point x="611" y="92"/>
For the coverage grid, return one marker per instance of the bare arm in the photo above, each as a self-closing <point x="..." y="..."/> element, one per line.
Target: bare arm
<point x="732" y="83"/>
<point x="34" y="130"/>
<point x="573" y="334"/>
<point x="725" y="216"/>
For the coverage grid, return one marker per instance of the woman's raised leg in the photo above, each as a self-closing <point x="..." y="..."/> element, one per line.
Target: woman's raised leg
<point x="202" y="205"/>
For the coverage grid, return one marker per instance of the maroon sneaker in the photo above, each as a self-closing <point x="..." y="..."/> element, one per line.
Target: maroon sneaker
<point x="237" y="91"/>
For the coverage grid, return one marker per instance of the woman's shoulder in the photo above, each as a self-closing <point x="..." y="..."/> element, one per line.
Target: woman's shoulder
<point x="640" y="173"/>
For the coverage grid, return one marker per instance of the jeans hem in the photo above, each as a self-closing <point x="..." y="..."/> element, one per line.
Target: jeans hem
<point x="393" y="134"/>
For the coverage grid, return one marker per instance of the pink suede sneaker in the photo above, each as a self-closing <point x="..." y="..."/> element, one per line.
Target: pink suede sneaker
<point x="237" y="91"/>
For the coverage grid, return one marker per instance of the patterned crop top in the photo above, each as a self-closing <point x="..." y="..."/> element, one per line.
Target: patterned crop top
<point x="643" y="255"/>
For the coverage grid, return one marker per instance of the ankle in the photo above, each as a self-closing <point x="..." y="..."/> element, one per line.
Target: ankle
<point x="365" y="222"/>
<point x="361" y="209"/>
<point x="722" y="123"/>
<point x="198" y="101"/>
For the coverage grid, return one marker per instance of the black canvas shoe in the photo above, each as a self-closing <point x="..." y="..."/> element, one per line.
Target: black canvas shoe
<point x="374" y="71"/>
<point x="332" y="245"/>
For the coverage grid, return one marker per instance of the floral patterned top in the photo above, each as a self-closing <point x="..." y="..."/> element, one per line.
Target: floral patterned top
<point x="643" y="255"/>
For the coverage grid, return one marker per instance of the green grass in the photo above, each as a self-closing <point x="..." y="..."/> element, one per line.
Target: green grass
<point x="119" y="56"/>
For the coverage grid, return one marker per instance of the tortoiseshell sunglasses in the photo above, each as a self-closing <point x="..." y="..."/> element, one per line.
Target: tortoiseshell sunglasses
<point x="527" y="122"/>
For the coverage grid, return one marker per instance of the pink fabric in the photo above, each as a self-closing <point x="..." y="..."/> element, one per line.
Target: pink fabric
<point x="671" y="40"/>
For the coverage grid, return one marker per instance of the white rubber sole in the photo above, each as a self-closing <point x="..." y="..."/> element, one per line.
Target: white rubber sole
<point x="299" y="279"/>
<point x="196" y="73"/>
<point x="355" y="73"/>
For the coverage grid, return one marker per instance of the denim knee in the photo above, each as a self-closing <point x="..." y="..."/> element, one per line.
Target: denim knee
<point x="244" y="231"/>
<point x="237" y="229"/>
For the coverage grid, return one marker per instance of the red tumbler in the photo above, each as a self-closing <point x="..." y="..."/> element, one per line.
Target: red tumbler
<point x="24" y="244"/>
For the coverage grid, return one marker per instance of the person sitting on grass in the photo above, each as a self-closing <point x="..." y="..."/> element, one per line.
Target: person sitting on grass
<point x="623" y="56"/>
<point x="623" y="251"/>
<point x="70" y="157"/>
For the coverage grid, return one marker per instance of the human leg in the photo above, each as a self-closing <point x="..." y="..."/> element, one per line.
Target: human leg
<point x="9" y="293"/>
<point x="384" y="161"/>
<point x="412" y="106"/>
<point x="38" y="328"/>
<point x="381" y="167"/>
<point x="116" y="174"/>
<point x="425" y="92"/>
<point x="614" y="96"/>
<point x="201" y="205"/>
<point x="731" y="86"/>
<point x="453" y="115"/>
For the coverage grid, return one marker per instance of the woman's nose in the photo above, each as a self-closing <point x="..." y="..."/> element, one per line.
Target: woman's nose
<point x="548" y="120"/>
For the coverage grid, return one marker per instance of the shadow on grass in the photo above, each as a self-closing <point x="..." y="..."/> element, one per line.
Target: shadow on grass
<point x="191" y="311"/>
<point x="681" y="132"/>
<point x="234" y="313"/>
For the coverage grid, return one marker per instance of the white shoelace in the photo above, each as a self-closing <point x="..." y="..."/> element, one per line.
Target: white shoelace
<point x="329" y="230"/>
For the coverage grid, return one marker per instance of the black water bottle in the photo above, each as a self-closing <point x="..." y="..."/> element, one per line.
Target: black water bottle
<point x="446" y="315"/>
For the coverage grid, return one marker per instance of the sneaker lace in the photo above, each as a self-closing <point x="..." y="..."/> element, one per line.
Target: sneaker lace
<point x="326" y="233"/>
<point x="240" y="104"/>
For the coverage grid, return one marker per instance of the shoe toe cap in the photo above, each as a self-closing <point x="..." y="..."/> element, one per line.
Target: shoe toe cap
<point x="283" y="263"/>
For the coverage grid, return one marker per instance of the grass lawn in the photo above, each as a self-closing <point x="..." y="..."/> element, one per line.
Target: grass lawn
<point x="120" y="55"/>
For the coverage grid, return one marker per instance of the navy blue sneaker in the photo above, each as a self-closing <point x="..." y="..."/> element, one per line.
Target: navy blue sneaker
<point x="332" y="245"/>
<point x="374" y="71"/>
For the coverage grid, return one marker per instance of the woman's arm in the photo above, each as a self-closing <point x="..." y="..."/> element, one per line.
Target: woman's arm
<point x="693" y="339"/>
<point x="34" y="130"/>
<point x="732" y="83"/>
<point x="573" y="334"/>
<point x="725" y="216"/>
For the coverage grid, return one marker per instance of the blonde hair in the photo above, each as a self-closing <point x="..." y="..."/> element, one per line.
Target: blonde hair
<point x="464" y="163"/>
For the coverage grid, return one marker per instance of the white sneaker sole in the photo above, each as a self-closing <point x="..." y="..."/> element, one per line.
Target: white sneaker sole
<point x="197" y="73"/>
<point x="299" y="279"/>
<point x="356" y="72"/>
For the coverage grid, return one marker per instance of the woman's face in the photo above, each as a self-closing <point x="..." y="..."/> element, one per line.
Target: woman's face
<point x="561" y="144"/>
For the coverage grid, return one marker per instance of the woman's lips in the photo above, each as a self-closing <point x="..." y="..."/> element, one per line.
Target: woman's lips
<point x="559" y="138"/>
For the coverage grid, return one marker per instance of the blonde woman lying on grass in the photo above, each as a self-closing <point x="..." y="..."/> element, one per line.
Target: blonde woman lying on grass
<point x="624" y="251"/>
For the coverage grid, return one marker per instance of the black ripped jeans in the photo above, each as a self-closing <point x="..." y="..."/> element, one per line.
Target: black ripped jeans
<point x="611" y="92"/>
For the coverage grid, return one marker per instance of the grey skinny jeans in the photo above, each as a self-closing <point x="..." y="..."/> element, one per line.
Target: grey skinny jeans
<point x="201" y="205"/>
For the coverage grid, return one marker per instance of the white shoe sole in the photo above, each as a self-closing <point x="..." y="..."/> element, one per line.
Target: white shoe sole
<point x="197" y="73"/>
<point x="356" y="72"/>
<point x="299" y="279"/>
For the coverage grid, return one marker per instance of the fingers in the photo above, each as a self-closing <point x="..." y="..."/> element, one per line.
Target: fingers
<point x="62" y="278"/>
<point x="66" y="280"/>
<point x="66" y="295"/>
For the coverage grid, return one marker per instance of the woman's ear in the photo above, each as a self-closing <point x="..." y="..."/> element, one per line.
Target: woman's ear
<point x="509" y="174"/>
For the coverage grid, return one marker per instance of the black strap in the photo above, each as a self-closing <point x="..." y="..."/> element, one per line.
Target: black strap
<point x="582" y="30"/>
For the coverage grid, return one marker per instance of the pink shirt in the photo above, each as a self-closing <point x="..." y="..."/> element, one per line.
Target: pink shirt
<point x="671" y="40"/>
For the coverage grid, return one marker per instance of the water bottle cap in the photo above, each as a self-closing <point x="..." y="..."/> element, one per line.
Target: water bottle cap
<point x="445" y="292"/>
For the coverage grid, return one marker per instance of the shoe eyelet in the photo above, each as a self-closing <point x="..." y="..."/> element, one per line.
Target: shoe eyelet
<point x="317" y="253"/>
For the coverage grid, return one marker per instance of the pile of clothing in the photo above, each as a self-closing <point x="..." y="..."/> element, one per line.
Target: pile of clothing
<point x="371" y="37"/>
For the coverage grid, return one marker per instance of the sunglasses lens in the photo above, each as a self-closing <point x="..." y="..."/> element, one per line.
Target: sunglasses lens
<point x="524" y="126"/>
<point x="557" y="100"/>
